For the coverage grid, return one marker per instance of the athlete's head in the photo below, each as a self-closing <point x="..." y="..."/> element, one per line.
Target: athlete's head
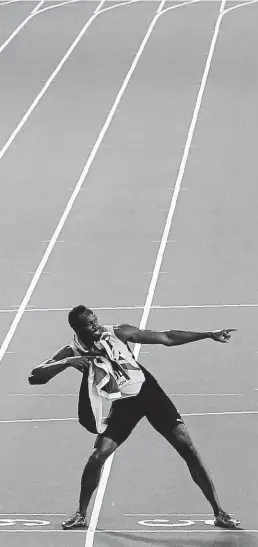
<point x="85" y="323"/>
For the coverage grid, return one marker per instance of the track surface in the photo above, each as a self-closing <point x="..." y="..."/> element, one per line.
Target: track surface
<point x="105" y="254"/>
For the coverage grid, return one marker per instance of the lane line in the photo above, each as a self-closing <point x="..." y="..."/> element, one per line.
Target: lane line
<point x="207" y="394"/>
<point x="37" y="7"/>
<point x="163" y="11"/>
<point x="227" y="413"/>
<point x="135" y="531"/>
<point x="28" y="421"/>
<point x="58" y="5"/>
<point x="228" y="10"/>
<point x="19" y="28"/>
<point x="41" y="394"/>
<point x="8" y="2"/>
<point x="57" y="69"/>
<point x="164" y="514"/>
<point x="169" y="394"/>
<point x="154" y="307"/>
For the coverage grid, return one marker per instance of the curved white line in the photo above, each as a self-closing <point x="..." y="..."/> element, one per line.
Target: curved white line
<point x="179" y="6"/>
<point x="226" y="11"/>
<point x="19" y="28"/>
<point x="37" y="7"/>
<point x="8" y="2"/>
<point x="58" y="5"/>
<point x="118" y="5"/>
<point x="52" y="77"/>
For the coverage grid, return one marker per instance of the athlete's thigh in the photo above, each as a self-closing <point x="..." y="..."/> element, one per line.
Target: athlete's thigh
<point x="160" y="411"/>
<point x="124" y="415"/>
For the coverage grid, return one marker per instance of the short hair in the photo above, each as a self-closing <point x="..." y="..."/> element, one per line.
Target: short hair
<point x="73" y="315"/>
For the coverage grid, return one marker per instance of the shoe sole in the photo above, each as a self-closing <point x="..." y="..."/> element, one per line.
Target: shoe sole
<point x="75" y="527"/>
<point x="228" y="527"/>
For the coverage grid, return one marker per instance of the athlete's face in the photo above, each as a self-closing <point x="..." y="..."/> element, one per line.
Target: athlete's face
<point x="88" y="327"/>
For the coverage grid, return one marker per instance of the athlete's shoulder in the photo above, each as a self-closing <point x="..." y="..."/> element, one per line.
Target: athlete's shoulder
<point x="63" y="352"/>
<point x="123" y="331"/>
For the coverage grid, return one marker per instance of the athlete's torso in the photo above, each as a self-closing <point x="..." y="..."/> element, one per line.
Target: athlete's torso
<point x="125" y="354"/>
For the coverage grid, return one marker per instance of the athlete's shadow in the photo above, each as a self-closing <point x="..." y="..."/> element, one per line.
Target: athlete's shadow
<point x="230" y="539"/>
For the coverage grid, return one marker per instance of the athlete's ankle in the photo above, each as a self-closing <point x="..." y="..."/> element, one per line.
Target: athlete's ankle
<point x="217" y="511"/>
<point x="82" y="511"/>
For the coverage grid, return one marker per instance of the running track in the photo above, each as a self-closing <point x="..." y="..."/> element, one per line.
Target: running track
<point x="153" y="158"/>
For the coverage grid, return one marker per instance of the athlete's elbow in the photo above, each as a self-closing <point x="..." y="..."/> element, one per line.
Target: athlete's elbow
<point x="167" y="341"/>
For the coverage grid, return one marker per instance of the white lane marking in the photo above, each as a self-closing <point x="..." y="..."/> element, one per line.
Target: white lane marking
<point x="222" y="6"/>
<point x="41" y="394"/>
<point x="99" y="6"/>
<point x="37" y="7"/>
<point x="28" y="421"/>
<point x="228" y="10"/>
<point x="169" y="394"/>
<point x="155" y="307"/>
<point x="126" y="530"/>
<point x="58" y="5"/>
<point x="8" y="2"/>
<point x="162" y="12"/>
<point x="227" y="413"/>
<point x="207" y="394"/>
<point x="47" y="84"/>
<point x="192" y="531"/>
<point x="54" y="73"/>
<point x="19" y="28"/>
<point x="168" y="514"/>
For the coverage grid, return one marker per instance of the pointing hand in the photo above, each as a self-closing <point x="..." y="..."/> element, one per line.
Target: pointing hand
<point x="222" y="335"/>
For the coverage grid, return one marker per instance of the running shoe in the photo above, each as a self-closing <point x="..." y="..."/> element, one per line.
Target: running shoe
<point x="224" y="520"/>
<point x="75" y="521"/>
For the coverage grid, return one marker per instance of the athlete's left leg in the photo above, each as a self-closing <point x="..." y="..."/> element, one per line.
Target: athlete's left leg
<point x="164" y="417"/>
<point x="180" y="439"/>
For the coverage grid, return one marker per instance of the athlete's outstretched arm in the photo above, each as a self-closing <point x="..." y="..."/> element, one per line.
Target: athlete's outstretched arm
<point x="128" y="333"/>
<point x="62" y="359"/>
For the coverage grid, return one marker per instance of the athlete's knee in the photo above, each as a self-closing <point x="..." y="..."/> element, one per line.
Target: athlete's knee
<point x="103" y="449"/>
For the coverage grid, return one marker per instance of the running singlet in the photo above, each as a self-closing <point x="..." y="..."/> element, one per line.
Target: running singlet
<point x="128" y="373"/>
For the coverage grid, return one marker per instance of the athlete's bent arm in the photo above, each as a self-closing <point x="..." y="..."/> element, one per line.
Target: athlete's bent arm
<point x="128" y="333"/>
<point x="63" y="359"/>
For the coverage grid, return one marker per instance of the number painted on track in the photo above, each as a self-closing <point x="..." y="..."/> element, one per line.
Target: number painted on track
<point x="182" y="522"/>
<point x="165" y="522"/>
<point x="25" y="522"/>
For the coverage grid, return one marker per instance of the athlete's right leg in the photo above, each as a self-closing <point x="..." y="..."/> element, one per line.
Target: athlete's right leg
<point x="103" y="448"/>
<point x="123" y="417"/>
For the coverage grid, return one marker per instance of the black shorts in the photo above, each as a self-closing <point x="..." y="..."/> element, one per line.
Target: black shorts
<point x="152" y="402"/>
